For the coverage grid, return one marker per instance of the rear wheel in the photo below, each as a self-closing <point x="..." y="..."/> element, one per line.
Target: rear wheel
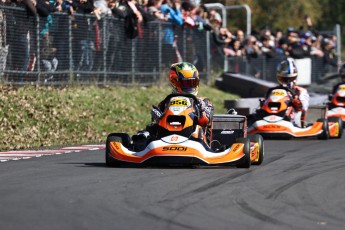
<point x="260" y="140"/>
<point x="340" y="125"/>
<point x="325" y="131"/>
<point x="124" y="139"/>
<point x="244" y="162"/>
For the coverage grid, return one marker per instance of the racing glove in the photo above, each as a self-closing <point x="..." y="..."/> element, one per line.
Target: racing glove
<point x="156" y="113"/>
<point x="201" y="105"/>
<point x="297" y="104"/>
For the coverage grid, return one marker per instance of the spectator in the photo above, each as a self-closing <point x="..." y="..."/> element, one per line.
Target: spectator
<point x="295" y="49"/>
<point x="83" y="35"/>
<point x="201" y="18"/>
<point x="172" y="11"/>
<point x="252" y="49"/>
<point x="267" y="48"/>
<point x="278" y="35"/>
<point x="187" y="15"/>
<point x="3" y="37"/>
<point x="154" y="9"/>
<point x="330" y="58"/>
<point x="101" y="9"/>
<point x="236" y="47"/>
<point x="239" y="34"/>
<point x="223" y="38"/>
<point x="48" y="52"/>
<point x="308" y="45"/>
<point x="202" y="24"/>
<point x="282" y="48"/>
<point x="215" y="18"/>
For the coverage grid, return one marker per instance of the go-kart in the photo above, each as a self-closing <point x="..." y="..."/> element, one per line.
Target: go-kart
<point x="275" y="119"/>
<point x="179" y="140"/>
<point x="336" y="106"/>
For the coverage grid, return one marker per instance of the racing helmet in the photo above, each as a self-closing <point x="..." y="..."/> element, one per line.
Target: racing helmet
<point x="342" y="72"/>
<point x="287" y="72"/>
<point x="184" y="78"/>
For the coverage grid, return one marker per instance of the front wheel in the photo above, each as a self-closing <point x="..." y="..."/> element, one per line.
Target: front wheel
<point x="258" y="139"/>
<point x="245" y="161"/>
<point x="325" y="131"/>
<point x="124" y="139"/>
<point x="340" y="125"/>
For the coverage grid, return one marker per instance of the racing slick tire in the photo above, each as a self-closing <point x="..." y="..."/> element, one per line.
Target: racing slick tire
<point x="245" y="161"/>
<point x="325" y="134"/>
<point x="260" y="140"/>
<point x="120" y="137"/>
<point x="340" y="126"/>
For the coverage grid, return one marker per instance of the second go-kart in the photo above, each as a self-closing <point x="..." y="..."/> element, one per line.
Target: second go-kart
<point x="179" y="140"/>
<point x="336" y="106"/>
<point x="274" y="120"/>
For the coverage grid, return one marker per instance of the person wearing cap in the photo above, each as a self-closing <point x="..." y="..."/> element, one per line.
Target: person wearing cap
<point x="308" y="46"/>
<point x="282" y="47"/>
<point x="330" y="58"/>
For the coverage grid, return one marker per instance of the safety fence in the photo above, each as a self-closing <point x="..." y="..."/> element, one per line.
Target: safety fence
<point x="63" y="48"/>
<point x="265" y="68"/>
<point x="80" y="49"/>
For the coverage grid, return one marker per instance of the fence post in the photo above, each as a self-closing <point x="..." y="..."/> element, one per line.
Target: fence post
<point x="38" y="48"/>
<point x="133" y="52"/>
<point x="160" y="48"/>
<point x="338" y="34"/>
<point x="208" y="56"/>
<point x="70" y="47"/>
<point x="105" y="49"/>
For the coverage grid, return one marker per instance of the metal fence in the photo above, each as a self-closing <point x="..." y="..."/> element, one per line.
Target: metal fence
<point x="265" y="68"/>
<point x="65" y="49"/>
<point x="79" y="48"/>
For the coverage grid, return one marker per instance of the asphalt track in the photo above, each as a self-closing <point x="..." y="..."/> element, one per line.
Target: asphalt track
<point x="300" y="185"/>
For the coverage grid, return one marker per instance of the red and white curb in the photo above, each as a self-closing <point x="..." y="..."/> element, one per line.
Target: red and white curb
<point x="26" y="154"/>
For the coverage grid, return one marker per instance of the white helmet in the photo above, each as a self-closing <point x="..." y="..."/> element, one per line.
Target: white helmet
<point x="287" y="72"/>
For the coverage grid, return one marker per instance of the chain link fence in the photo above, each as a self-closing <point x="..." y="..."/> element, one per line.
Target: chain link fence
<point x="65" y="49"/>
<point x="79" y="49"/>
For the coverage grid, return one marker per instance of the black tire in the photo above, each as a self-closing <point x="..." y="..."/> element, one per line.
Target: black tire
<point x="245" y="161"/>
<point x="325" y="134"/>
<point x="119" y="137"/>
<point x="340" y="126"/>
<point x="260" y="140"/>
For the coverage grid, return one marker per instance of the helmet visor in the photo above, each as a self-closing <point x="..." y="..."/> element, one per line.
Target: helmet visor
<point x="285" y="80"/>
<point x="189" y="85"/>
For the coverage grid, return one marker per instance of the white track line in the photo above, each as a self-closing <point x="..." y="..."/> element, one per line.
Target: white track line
<point x="27" y="154"/>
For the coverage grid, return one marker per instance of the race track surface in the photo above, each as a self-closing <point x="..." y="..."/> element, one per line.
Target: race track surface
<point x="301" y="185"/>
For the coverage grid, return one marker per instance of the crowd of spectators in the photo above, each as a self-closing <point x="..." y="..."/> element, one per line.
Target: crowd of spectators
<point x="296" y="43"/>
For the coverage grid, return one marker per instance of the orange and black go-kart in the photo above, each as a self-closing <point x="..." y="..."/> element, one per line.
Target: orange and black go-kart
<point x="275" y="119"/>
<point x="336" y="106"/>
<point x="179" y="140"/>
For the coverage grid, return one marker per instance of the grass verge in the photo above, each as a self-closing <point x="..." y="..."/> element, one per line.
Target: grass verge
<point x="31" y="117"/>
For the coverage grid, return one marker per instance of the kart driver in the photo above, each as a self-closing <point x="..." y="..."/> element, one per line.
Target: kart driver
<point x="184" y="78"/>
<point x="286" y="75"/>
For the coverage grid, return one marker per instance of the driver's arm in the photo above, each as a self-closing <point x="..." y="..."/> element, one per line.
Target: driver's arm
<point x="206" y="111"/>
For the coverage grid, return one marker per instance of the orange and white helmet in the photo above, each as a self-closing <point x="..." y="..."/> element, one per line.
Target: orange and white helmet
<point x="184" y="78"/>
<point x="287" y="72"/>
